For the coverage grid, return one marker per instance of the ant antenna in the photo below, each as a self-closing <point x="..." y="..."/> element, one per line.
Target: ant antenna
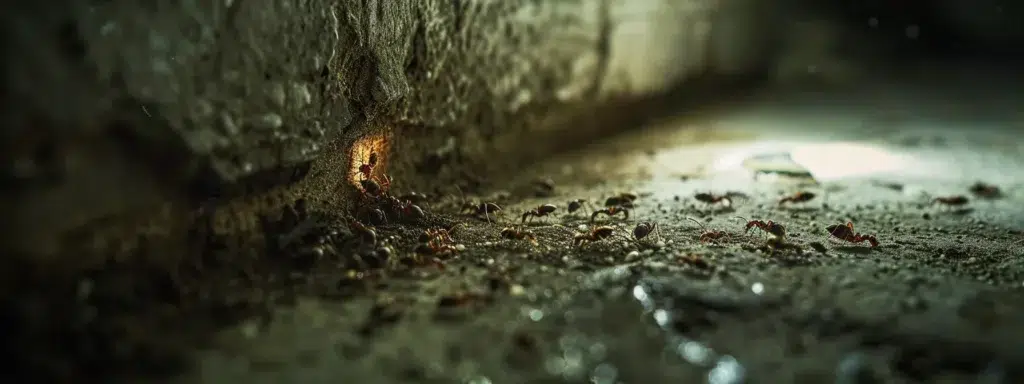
<point x="698" y="222"/>
<point x="742" y="218"/>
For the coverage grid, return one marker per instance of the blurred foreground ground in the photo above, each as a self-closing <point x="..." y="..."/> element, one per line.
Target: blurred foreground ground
<point x="941" y="299"/>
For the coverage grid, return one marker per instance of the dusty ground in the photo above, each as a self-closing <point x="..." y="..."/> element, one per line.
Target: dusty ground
<point x="941" y="299"/>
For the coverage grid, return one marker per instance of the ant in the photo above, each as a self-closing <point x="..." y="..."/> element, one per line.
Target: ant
<point x="539" y="211"/>
<point x="709" y="198"/>
<point x="366" y="169"/>
<point x="575" y="205"/>
<point x="434" y="247"/>
<point x="985" y="191"/>
<point x="846" y="233"/>
<point x="771" y="227"/>
<point x="514" y="233"/>
<point x="709" y="236"/>
<point x="610" y="211"/>
<point x="414" y="197"/>
<point x="799" y="197"/>
<point x="644" y="229"/>
<point x="481" y="209"/>
<point x="365" y="233"/>
<point x="624" y="199"/>
<point x="442" y="235"/>
<point x="374" y="216"/>
<point x="374" y="188"/>
<point x="951" y="201"/>
<point x="478" y="208"/>
<point x="404" y="209"/>
<point x="595" y="235"/>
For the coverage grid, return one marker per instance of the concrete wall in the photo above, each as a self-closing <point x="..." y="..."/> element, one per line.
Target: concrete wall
<point x="122" y="109"/>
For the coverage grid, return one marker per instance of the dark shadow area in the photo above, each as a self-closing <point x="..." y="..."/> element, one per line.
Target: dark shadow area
<point x="359" y="276"/>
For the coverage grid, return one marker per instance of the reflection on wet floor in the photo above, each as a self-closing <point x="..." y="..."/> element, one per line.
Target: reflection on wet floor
<point x="725" y="369"/>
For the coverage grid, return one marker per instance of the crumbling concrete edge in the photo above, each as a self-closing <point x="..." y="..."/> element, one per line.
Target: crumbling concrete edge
<point x="367" y="83"/>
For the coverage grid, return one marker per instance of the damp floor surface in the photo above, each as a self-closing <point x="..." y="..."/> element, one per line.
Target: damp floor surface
<point x="941" y="299"/>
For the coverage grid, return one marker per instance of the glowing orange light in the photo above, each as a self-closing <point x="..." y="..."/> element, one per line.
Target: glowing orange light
<point x="368" y="158"/>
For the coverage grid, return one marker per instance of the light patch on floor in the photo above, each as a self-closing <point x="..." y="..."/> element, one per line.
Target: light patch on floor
<point x="835" y="161"/>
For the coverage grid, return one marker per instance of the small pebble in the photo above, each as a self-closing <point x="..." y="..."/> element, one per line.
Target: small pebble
<point x="488" y="244"/>
<point x="460" y="247"/>
<point x="632" y="254"/>
<point x="582" y="227"/>
<point x="659" y="244"/>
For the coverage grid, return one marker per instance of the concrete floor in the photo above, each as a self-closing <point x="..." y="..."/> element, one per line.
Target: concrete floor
<point x="941" y="299"/>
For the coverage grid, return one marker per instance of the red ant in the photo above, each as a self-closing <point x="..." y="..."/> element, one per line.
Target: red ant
<point x="575" y="205"/>
<point x="770" y="227"/>
<point x="366" y="169"/>
<point x="374" y="188"/>
<point x="540" y="211"/>
<point x="514" y="233"/>
<point x="624" y="199"/>
<point x="404" y="209"/>
<point x="708" y="236"/>
<point x="985" y="191"/>
<point x="435" y="247"/>
<point x="597" y="234"/>
<point x="799" y="197"/>
<point x="365" y="233"/>
<point x="485" y="209"/>
<point x="951" y="201"/>
<point x="644" y="229"/>
<point x="610" y="211"/>
<point x="441" y="235"/>
<point x="709" y="198"/>
<point x="846" y="233"/>
<point x="478" y="208"/>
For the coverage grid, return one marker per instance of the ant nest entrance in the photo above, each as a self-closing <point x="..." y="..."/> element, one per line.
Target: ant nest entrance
<point x="368" y="159"/>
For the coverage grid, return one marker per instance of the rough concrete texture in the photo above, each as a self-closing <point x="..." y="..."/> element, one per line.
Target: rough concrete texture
<point x="190" y="101"/>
